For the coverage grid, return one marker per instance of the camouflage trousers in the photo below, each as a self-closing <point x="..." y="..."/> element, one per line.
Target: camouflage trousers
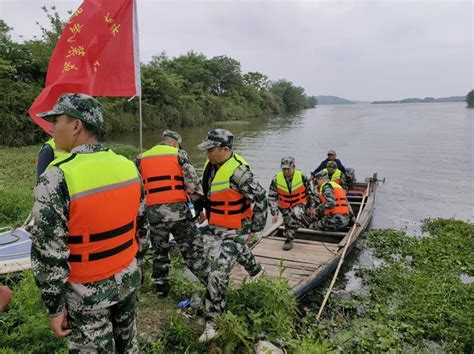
<point x="106" y="330"/>
<point x="189" y="242"/>
<point x="331" y="223"/>
<point x="292" y="219"/>
<point x="223" y="248"/>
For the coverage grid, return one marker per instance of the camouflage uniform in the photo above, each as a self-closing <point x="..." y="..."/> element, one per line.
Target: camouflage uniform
<point x="224" y="246"/>
<point x="292" y="217"/>
<point x="332" y="222"/>
<point x="101" y="314"/>
<point x="176" y="218"/>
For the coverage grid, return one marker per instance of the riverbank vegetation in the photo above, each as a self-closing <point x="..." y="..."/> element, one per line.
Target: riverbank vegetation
<point x="419" y="299"/>
<point x="470" y="99"/>
<point x="187" y="90"/>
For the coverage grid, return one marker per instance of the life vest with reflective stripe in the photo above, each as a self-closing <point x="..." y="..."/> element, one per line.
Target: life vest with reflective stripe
<point x="57" y="153"/>
<point x="342" y="204"/>
<point x="104" y="191"/>
<point x="162" y="176"/>
<point x="227" y="207"/>
<point x="298" y="195"/>
<point x="336" y="176"/>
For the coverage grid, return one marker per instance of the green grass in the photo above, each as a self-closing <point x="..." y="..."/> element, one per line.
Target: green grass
<point x="416" y="297"/>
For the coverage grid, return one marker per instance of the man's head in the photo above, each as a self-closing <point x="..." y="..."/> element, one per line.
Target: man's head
<point x="331" y="166"/>
<point x="321" y="177"/>
<point x="171" y="138"/>
<point x="76" y="119"/>
<point x="218" y="145"/>
<point x="332" y="155"/>
<point x="287" y="165"/>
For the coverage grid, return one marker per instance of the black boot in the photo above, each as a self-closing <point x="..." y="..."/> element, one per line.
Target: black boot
<point x="162" y="290"/>
<point x="288" y="245"/>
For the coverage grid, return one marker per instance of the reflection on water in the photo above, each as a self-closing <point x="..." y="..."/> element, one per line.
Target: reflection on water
<point x="425" y="151"/>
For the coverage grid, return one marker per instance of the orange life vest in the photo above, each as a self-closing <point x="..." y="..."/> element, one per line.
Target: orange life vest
<point x="104" y="190"/>
<point x="342" y="205"/>
<point x="227" y="207"/>
<point x="162" y="176"/>
<point x="298" y="195"/>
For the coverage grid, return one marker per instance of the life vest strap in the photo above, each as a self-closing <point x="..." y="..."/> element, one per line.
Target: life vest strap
<point x="75" y="239"/>
<point x="104" y="254"/>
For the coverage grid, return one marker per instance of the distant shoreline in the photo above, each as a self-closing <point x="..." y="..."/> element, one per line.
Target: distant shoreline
<point x="335" y="100"/>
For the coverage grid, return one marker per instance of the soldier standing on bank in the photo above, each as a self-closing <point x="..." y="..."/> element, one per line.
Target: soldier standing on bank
<point x="89" y="234"/>
<point x="170" y="183"/>
<point x="334" y="213"/>
<point x="290" y="194"/>
<point x="236" y="206"/>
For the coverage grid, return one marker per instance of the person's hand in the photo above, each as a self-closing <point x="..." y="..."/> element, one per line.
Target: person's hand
<point x="60" y="325"/>
<point x="202" y="217"/>
<point x="250" y="238"/>
<point x="274" y="219"/>
<point x="311" y="213"/>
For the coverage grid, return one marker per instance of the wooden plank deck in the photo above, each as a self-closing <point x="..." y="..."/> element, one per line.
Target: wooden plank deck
<point x="301" y="261"/>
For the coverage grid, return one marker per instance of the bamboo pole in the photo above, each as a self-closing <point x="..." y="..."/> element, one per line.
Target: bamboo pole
<point x="354" y="227"/>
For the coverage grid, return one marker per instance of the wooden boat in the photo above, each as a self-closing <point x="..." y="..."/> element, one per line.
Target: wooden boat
<point x="315" y="254"/>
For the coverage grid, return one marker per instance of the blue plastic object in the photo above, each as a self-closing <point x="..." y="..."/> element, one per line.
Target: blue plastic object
<point x="184" y="304"/>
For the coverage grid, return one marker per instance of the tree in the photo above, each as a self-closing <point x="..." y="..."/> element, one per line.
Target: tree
<point x="257" y="80"/>
<point x="470" y="99"/>
<point x="225" y="75"/>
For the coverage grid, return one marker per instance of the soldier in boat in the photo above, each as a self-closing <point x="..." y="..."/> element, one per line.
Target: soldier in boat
<point x="290" y="194"/>
<point x="334" y="212"/>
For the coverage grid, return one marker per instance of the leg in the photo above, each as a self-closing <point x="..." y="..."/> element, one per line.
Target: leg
<point x="246" y="258"/>
<point x="161" y="260"/>
<point x="92" y="331"/>
<point x="191" y="246"/>
<point x="124" y="320"/>
<point x="221" y="256"/>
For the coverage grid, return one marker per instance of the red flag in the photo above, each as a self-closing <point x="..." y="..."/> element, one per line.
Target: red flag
<point x="97" y="54"/>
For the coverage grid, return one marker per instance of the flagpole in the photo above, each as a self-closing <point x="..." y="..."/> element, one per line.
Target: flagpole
<point x="141" y="122"/>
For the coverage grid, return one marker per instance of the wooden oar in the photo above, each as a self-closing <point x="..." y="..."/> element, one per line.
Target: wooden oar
<point x="354" y="227"/>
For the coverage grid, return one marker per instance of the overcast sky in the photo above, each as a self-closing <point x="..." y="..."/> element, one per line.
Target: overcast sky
<point x="360" y="50"/>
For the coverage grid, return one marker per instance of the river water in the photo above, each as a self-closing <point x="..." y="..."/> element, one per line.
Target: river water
<point x="425" y="152"/>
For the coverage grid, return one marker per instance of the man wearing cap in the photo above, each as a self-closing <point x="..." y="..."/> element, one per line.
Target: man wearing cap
<point x="235" y="206"/>
<point x="334" y="212"/>
<point x="331" y="157"/>
<point x="335" y="174"/>
<point x="290" y="194"/>
<point x="170" y="183"/>
<point x="89" y="234"/>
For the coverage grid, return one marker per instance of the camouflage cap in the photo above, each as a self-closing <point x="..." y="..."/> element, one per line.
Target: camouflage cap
<point x="321" y="175"/>
<point x="331" y="164"/>
<point x="217" y="137"/>
<point x="173" y="135"/>
<point x="79" y="106"/>
<point x="287" y="162"/>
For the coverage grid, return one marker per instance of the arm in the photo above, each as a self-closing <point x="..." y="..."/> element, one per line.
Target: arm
<point x="309" y="191"/>
<point x="45" y="157"/>
<point x="49" y="252"/>
<point x="143" y="227"/>
<point x="321" y="166"/>
<point x="273" y="198"/>
<point x="192" y="181"/>
<point x="341" y="166"/>
<point x="244" y="182"/>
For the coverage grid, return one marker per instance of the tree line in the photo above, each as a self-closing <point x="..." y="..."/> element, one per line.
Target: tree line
<point x="187" y="90"/>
